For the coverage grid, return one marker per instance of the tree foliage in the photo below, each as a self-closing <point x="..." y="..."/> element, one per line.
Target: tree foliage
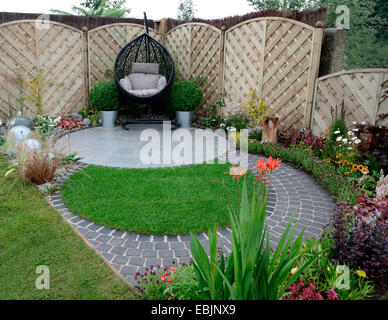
<point x="186" y="10"/>
<point x="101" y="8"/>
<point x="366" y="44"/>
<point x="283" y="4"/>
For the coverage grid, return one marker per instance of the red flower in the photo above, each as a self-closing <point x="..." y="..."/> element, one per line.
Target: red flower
<point x="163" y="277"/>
<point x="261" y="166"/>
<point x="173" y="270"/>
<point x="272" y="163"/>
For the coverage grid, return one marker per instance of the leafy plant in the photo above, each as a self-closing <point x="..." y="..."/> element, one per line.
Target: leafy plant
<point x="285" y="137"/>
<point x="315" y="144"/>
<point x="48" y="188"/>
<point x="374" y="143"/>
<point x="359" y="241"/>
<point x="69" y="123"/>
<point x="338" y="129"/>
<point x="324" y="274"/>
<point x="105" y="96"/>
<point x="252" y="271"/>
<point x="35" y="88"/>
<point x="185" y="96"/>
<point x="169" y="283"/>
<point x="256" y="135"/>
<point x="255" y="107"/>
<point x="237" y="121"/>
<point x="214" y="118"/>
<point x="301" y="291"/>
<point x="91" y="114"/>
<point x="71" y="159"/>
<point x="45" y="124"/>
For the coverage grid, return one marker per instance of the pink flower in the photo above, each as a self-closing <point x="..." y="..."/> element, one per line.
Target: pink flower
<point x="331" y="295"/>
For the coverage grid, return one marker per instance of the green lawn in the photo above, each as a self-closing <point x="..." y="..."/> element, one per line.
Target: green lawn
<point x="33" y="234"/>
<point x="154" y="201"/>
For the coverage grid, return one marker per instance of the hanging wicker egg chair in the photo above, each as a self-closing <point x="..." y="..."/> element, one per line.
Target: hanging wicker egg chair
<point x="144" y="69"/>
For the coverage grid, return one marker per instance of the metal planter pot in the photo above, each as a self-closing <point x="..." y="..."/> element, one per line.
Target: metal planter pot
<point x="108" y="118"/>
<point x="184" y="118"/>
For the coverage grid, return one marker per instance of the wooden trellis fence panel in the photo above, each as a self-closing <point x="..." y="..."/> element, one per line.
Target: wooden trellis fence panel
<point x="363" y="94"/>
<point x="196" y="49"/>
<point x="57" y="49"/>
<point x="279" y="58"/>
<point x="104" y="44"/>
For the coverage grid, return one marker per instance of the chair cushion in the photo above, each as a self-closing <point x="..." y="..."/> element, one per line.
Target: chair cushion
<point x="142" y="81"/>
<point x="144" y="92"/>
<point x="162" y="83"/>
<point x="126" y="83"/>
<point x="149" y="68"/>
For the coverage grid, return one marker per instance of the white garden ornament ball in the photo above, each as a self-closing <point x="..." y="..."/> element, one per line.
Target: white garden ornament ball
<point x="32" y="145"/>
<point x="18" y="134"/>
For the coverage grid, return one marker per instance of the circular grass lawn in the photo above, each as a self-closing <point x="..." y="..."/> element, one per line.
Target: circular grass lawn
<point x="166" y="201"/>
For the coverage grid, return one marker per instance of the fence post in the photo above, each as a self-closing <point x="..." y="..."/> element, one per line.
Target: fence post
<point x="314" y="69"/>
<point x="163" y="27"/>
<point x="333" y="51"/>
<point x="222" y="59"/>
<point x="85" y="64"/>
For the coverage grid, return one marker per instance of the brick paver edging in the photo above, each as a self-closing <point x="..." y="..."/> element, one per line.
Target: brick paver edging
<point x="290" y="190"/>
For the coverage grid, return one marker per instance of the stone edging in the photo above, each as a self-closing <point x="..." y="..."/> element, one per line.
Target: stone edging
<point x="128" y="253"/>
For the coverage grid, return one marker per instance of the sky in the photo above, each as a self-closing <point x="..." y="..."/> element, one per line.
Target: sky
<point x="156" y="9"/>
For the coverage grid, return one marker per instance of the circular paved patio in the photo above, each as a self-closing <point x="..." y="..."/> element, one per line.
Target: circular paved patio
<point x="290" y="190"/>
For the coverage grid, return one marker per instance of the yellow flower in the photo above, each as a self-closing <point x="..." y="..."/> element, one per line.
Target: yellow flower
<point x="360" y="167"/>
<point x="328" y="269"/>
<point x="339" y="156"/>
<point x="361" y="273"/>
<point x="347" y="173"/>
<point x="355" y="167"/>
<point x="365" y="171"/>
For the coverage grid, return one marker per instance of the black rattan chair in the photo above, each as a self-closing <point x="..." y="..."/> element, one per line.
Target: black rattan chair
<point x="144" y="49"/>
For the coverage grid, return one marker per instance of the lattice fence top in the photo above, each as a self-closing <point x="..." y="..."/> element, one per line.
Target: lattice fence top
<point x="196" y="49"/>
<point x="360" y="91"/>
<point x="277" y="57"/>
<point x="105" y="43"/>
<point x="28" y="47"/>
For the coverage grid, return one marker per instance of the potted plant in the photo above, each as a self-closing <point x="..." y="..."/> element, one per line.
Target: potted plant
<point x="185" y="96"/>
<point x="104" y="96"/>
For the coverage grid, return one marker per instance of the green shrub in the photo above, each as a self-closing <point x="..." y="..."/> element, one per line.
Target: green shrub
<point x="104" y="96"/>
<point x="185" y="96"/>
